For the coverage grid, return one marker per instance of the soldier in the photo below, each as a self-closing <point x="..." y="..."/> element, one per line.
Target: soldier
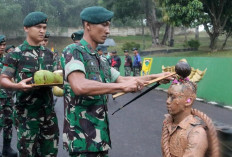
<point x="115" y="61"/>
<point x="35" y="118"/>
<point x="77" y="36"/>
<point x="128" y="63"/>
<point x="9" y="48"/>
<point x="99" y="51"/>
<point x="6" y="110"/>
<point x="45" y="41"/>
<point x="86" y="130"/>
<point x="137" y="64"/>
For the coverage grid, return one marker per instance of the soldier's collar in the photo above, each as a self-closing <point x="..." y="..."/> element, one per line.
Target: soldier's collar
<point x="32" y="47"/>
<point x="88" y="48"/>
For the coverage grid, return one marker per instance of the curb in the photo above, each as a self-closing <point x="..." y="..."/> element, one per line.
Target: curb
<point x="202" y="100"/>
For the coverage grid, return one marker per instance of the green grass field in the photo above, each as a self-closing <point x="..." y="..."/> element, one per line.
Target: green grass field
<point x="59" y="43"/>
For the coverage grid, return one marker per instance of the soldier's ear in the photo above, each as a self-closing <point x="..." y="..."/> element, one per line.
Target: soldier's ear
<point x="26" y="29"/>
<point x="87" y="26"/>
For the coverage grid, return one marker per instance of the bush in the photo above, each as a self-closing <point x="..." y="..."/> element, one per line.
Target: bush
<point x="193" y="43"/>
<point x="130" y="45"/>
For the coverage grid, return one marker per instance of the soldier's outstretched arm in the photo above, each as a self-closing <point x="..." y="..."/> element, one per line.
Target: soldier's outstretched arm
<point x="6" y="82"/>
<point x="146" y="78"/>
<point x="91" y="87"/>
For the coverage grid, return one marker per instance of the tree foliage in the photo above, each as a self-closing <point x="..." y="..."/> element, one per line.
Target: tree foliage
<point x="63" y="13"/>
<point x="213" y="14"/>
<point x="182" y="13"/>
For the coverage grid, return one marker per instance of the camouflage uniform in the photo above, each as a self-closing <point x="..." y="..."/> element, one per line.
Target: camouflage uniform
<point x="66" y="50"/>
<point x="86" y="127"/>
<point x="57" y="61"/>
<point x="128" y="65"/>
<point x="35" y="118"/>
<point x="6" y="110"/>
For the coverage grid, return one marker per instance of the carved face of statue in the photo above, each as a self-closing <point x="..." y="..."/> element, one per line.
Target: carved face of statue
<point x="180" y="97"/>
<point x="176" y="100"/>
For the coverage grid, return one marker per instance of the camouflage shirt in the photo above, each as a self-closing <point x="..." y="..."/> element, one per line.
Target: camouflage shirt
<point x="22" y="64"/>
<point x="4" y="93"/>
<point x="86" y="119"/>
<point x="66" y="50"/>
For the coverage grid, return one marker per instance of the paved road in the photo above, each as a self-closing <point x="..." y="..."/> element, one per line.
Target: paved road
<point x="136" y="130"/>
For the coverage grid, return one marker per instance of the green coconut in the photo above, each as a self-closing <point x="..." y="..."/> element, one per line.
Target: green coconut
<point x="43" y="77"/>
<point x="57" y="91"/>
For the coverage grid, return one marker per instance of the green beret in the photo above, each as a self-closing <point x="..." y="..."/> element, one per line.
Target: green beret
<point x="96" y="15"/>
<point x="8" y="47"/>
<point x="77" y="35"/>
<point x="2" y="38"/>
<point x="47" y="34"/>
<point x="35" y="18"/>
<point x="99" y="48"/>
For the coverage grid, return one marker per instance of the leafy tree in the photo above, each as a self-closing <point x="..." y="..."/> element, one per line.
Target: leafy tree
<point x="10" y="16"/>
<point x="213" y="14"/>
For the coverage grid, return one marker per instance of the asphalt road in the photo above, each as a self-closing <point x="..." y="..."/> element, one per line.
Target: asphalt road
<point x="136" y="129"/>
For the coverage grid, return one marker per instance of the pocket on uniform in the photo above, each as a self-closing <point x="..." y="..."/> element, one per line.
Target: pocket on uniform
<point x="27" y="72"/>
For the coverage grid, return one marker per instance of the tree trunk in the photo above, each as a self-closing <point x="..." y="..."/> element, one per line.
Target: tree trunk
<point x="153" y="23"/>
<point x="171" y="37"/>
<point x="143" y="34"/>
<point x="213" y="42"/>
<point x="213" y="37"/>
<point x="185" y="34"/>
<point x="157" y="35"/>
<point x="197" y="33"/>
<point x="225" y="41"/>
<point x="165" y="37"/>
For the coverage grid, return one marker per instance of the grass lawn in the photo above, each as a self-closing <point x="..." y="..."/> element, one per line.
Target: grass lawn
<point x="59" y="43"/>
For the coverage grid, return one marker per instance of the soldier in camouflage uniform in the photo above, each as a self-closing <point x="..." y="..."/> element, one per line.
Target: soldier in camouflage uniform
<point x="77" y="36"/>
<point x="128" y="63"/>
<point x="35" y="118"/>
<point x="44" y="43"/>
<point x="88" y="80"/>
<point x="6" y="110"/>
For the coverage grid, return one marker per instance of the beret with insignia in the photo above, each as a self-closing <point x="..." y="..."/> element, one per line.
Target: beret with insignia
<point x="125" y="50"/>
<point x="96" y="15"/>
<point x="2" y="38"/>
<point x="35" y="18"/>
<point x="77" y="35"/>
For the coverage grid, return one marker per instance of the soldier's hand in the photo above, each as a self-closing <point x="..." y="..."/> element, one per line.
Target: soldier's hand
<point x="23" y="84"/>
<point x="133" y="85"/>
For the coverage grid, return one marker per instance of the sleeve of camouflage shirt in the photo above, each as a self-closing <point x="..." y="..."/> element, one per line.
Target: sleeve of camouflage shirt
<point x="114" y="74"/>
<point x="72" y="62"/>
<point x="10" y="64"/>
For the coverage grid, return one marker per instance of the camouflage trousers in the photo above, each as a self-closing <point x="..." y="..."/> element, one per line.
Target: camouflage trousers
<point x="127" y="71"/>
<point x="37" y="131"/>
<point x="136" y="71"/>
<point x="117" y="68"/>
<point x="6" y="117"/>
<point x="95" y="154"/>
